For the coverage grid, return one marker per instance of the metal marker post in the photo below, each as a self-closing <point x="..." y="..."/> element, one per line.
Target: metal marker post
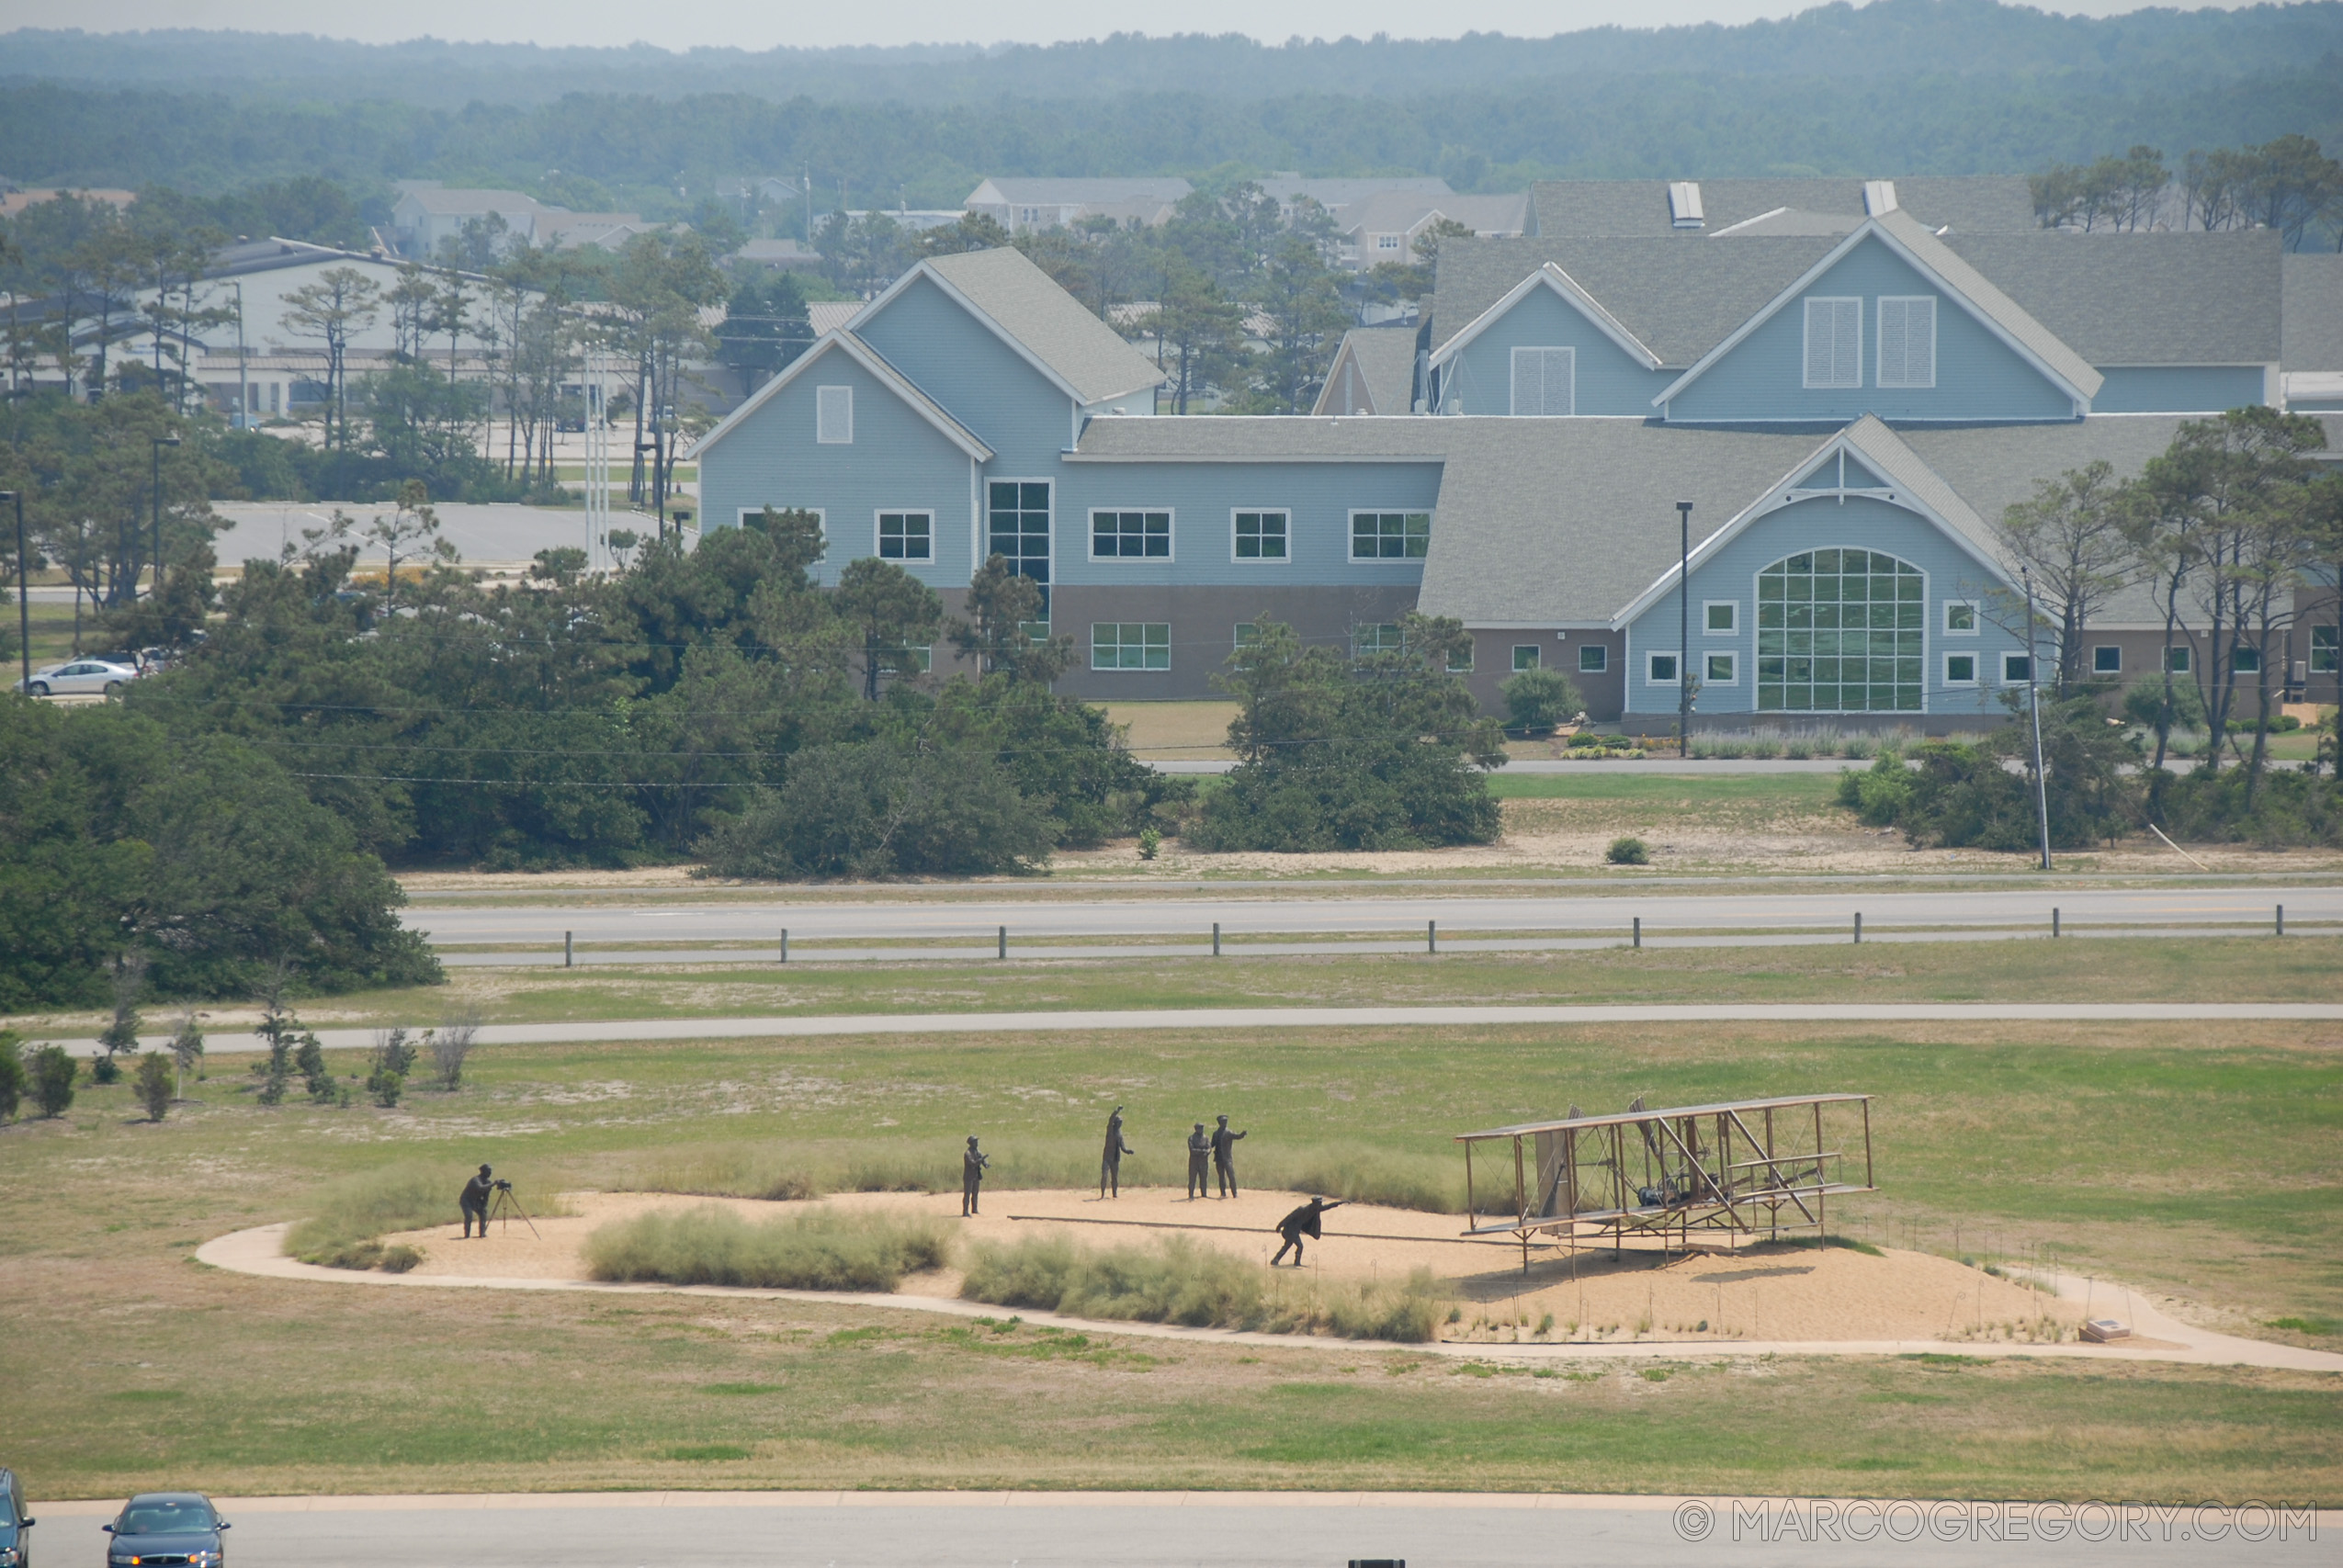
<point x="2054" y="920"/>
<point x="1215" y="939"/>
<point x="1432" y="936"/>
<point x="1639" y="930"/>
<point x="569" y="950"/>
<point x="1684" y="632"/>
<point x="785" y="945"/>
<point x="1859" y="928"/>
<point x="1004" y="942"/>
<point x="2281" y="920"/>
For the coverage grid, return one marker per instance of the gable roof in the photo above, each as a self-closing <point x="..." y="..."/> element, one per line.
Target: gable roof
<point x="1026" y="307"/>
<point x="1556" y="281"/>
<point x="1385" y="361"/>
<point x="1054" y="192"/>
<point x="871" y="360"/>
<point x="2314" y="307"/>
<point x="1402" y="212"/>
<point x="2192" y="299"/>
<point x="1967" y="287"/>
<point x="1969" y="204"/>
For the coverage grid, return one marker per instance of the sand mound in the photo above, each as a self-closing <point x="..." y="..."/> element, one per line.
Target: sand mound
<point x="1775" y="1292"/>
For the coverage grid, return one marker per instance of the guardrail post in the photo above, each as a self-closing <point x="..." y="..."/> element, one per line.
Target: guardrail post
<point x="1639" y="930"/>
<point x="569" y="950"/>
<point x="1215" y="939"/>
<point x="785" y="945"/>
<point x="2281" y="920"/>
<point x="1859" y="928"/>
<point x="1004" y="942"/>
<point x="2054" y="920"/>
<point x="1432" y="936"/>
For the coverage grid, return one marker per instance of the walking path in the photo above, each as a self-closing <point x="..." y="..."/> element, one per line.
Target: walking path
<point x="1223" y="1019"/>
<point x="260" y="1251"/>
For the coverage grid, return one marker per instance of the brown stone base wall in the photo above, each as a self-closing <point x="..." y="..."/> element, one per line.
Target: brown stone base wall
<point x="1204" y="623"/>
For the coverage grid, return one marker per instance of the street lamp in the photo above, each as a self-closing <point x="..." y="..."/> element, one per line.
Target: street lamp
<point x="1684" y="631"/>
<point x="24" y="576"/>
<point x="154" y="486"/>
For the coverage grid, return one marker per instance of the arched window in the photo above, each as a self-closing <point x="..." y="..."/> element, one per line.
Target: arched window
<point x="1840" y="631"/>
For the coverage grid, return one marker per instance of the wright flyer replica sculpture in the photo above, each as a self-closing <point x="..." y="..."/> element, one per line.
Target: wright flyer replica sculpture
<point x="1744" y="1168"/>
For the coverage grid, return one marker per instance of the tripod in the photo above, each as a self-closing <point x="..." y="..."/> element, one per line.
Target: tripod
<point x="504" y="1206"/>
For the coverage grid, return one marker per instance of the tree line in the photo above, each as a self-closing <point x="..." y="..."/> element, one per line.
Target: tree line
<point x="2287" y="184"/>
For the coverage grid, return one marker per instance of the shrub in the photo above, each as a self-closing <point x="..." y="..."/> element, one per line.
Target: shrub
<point x="12" y="1075"/>
<point x="309" y="1060"/>
<point x="2290" y="807"/>
<point x="1628" y="852"/>
<point x="876" y="809"/>
<point x="354" y="1210"/>
<point x="1879" y="794"/>
<point x="388" y="1065"/>
<point x="1179" y="1280"/>
<point x="451" y="1046"/>
<point x="151" y="1083"/>
<point x="821" y="1250"/>
<point x="52" y="1080"/>
<point x="399" y="1259"/>
<point x="1538" y="701"/>
<point x="1980" y="794"/>
<point x="1150" y="842"/>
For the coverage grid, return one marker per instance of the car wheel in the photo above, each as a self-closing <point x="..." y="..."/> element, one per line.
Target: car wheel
<point x="40" y="688"/>
<point x="113" y="688"/>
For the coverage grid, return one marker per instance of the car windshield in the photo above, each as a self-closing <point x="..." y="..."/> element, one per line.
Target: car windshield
<point x="164" y="1518"/>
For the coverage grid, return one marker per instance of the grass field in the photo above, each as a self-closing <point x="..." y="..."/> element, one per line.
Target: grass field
<point x="2196" y="1162"/>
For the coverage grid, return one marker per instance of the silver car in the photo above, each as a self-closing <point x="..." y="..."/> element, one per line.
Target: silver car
<point x="78" y="675"/>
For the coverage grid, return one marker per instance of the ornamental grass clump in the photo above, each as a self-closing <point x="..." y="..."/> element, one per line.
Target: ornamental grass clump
<point x="355" y="1210"/>
<point x="821" y="1250"/>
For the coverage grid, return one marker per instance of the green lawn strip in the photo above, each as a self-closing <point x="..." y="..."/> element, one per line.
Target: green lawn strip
<point x="2111" y="969"/>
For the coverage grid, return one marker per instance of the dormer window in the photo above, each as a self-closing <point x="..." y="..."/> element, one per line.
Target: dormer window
<point x="1387" y="241"/>
<point x="1908" y="341"/>
<point x="1835" y="343"/>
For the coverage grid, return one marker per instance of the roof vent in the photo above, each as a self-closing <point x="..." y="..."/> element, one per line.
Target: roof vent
<point x="1879" y="196"/>
<point x="1685" y="204"/>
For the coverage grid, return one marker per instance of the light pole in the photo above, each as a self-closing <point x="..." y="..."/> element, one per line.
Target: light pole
<point x="1685" y="630"/>
<point x="154" y="486"/>
<point x="24" y="608"/>
<point x="243" y="375"/>
<point x="2034" y="706"/>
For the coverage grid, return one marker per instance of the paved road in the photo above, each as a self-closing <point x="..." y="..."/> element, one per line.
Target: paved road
<point x="1188" y="916"/>
<point x="1640" y="765"/>
<point x="1045" y="1530"/>
<point x="1226" y="1020"/>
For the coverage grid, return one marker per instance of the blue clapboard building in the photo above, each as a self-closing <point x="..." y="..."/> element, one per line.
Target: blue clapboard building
<point x="1846" y="392"/>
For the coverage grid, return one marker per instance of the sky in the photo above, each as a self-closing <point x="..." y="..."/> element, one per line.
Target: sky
<point x="761" y="24"/>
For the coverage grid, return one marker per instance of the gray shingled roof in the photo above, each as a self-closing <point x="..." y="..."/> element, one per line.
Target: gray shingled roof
<point x="2142" y="298"/>
<point x="1989" y="297"/>
<point x="1679" y="299"/>
<point x="1969" y="203"/>
<point x="2314" y="328"/>
<point x="1266" y="438"/>
<point x="1024" y="302"/>
<point x="1387" y="360"/>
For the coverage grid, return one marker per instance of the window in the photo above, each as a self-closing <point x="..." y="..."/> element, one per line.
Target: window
<point x="753" y="516"/>
<point x="2107" y="661"/>
<point x="1908" y="341"/>
<point x="2178" y="661"/>
<point x="1960" y="668"/>
<point x="834" y="416"/>
<point x="1018" y="529"/>
<point x="1130" y="645"/>
<point x="1834" y="342"/>
<point x="1594" y="659"/>
<point x="1261" y="536"/>
<point x="1390" y="535"/>
<point x="1380" y="638"/>
<point x="1721" y="615"/>
<point x="906" y="536"/>
<point x="1840" y="631"/>
<point x="1960" y="617"/>
<point x="1387" y="241"/>
<point x="2245" y="661"/>
<point x="1248" y="634"/>
<point x="2017" y="669"/>
<point x="1545" y="381"/>
<point x="907" y="661"/>
<point x="1461" y="663"/>
<point x="1721" y="671"/>
<point x="2324" y="643"/>
<point x="1526" y="656"/>
<point x="1660" y="670"/>
<point x="1130" y="534"/>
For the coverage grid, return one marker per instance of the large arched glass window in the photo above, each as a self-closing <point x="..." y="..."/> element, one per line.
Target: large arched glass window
<point x="1840" y="631"/>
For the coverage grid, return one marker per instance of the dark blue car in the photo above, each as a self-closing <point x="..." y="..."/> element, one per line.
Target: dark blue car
<point x="15" y="1550"/>
<point x="166" y="1530"/>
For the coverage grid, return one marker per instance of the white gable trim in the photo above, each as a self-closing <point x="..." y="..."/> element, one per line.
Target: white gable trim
<point x="1563" y="284"/>
<point x="883" y="373"/>
<point x="1790" y="491"/>
<point x="1016" y="345"/>
<point x="1869" y="228"/>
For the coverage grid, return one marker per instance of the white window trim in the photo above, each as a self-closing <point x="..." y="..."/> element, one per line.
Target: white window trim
<point x="1124" y="669"/>
<point x="1513" y="379"/>
<point x="2009" y="680"/>
<point x="2187" y="658"/>
<point x="984" y="515"/>
<point x="1945" y="618"/>
<point x="1090" y="534"/>
<point x="1879" y="335"/>
<point x="1600" y="651"/>
<point x="1651" y="671"/>
<point x="1537" y="653"/>
<point x="1351" y="535"/>
<point x="822" y="395"/>
<point x="2114" y="648"/>
<point x="1806" y="341"/>
<point x="1285" y="559"/>
<point x="1732" y="604"/>
<point x="1732" y="662"/>
<point x="877" y="544"/>
<point x="1950" y="679"/>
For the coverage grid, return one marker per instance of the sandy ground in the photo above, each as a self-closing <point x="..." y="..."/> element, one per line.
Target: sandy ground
<point x="1768" y="1292"/>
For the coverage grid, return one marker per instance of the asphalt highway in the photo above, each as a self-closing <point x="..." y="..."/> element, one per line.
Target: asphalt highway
<point x="945" y="1530"/>
<point x="1187" y="915"/>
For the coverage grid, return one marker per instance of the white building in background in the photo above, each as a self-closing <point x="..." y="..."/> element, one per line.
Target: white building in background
<point x="429" y="214"/>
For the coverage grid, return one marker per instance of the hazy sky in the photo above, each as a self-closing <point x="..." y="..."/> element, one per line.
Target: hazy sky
<point x="759" y="24"/>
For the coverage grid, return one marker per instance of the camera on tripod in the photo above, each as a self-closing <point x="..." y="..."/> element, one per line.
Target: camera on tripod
<point x="502" y="1185"/>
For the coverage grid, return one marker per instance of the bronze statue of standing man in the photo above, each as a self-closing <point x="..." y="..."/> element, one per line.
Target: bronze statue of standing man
<point x="972" y="1168"/>
<point x="1110" y="1165"/>
<point x="1223" y="1157"/>
<point x="1199" y="1172"/>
